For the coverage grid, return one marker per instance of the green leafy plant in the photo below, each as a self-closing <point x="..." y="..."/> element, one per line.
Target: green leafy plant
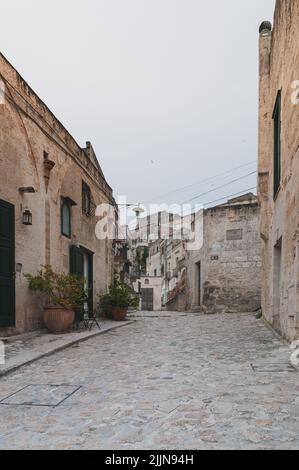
<point x="120" y="295"/>
<point x="63" y="290"/>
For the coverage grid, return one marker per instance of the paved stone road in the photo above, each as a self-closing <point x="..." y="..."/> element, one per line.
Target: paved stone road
<point x="174" y="382"/>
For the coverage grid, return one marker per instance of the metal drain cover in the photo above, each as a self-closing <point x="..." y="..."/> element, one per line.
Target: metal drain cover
<point x="282" y="367"/>
<point x="40" y="395"/>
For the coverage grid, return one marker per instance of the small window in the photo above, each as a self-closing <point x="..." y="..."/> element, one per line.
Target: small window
<point x="146" y="282"/>
<point x="86" y="199"/>
<point x="155" y="273"/>
<point x="66" y="219"/>
<point x="277" y="145"/>
<point x="193" y="223"/>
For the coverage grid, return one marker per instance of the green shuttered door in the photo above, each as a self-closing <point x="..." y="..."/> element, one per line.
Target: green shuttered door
<point x="7" y="264"/>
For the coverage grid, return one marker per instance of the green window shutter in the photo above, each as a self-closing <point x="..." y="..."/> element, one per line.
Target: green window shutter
<point x="76" y="261"/>
<point x="277" y="145"/>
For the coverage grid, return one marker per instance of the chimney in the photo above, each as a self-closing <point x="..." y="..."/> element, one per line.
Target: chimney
<point x="264" y="91"/>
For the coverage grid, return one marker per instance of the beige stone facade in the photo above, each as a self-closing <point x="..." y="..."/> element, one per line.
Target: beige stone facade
<point x="225" y="274"/>
<point x="37" y="152"/>
<point x="279" y="167"/>
<point x="150" y="290"/>
<point x="215" y="266"/>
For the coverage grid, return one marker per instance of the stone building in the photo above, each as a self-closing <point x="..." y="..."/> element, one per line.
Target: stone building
<point x="215" y="265"/>
<point x="278" y="167"/>
<point x="224" y="275"/>
<point x="149" y="288"/>
<point x="49" y="189"/>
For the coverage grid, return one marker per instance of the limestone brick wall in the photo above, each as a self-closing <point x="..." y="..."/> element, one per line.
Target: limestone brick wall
<point x="279" y="70"/>
<point x="29" y="133"/>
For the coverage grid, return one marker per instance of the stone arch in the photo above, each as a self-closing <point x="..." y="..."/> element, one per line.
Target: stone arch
<point x="18" y="126"/>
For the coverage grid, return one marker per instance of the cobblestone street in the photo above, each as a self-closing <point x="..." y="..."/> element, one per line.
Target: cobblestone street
<point x="178" y="381"/>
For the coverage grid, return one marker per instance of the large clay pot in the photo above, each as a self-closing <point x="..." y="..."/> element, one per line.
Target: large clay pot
<point x="58" y="320"/>
<point x="119" y="314"/>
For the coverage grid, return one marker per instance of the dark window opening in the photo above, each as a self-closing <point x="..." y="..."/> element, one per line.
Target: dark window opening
<point x="66" y="219"/>
<point x="88" y="206"/>
<point x="277" y="144"/>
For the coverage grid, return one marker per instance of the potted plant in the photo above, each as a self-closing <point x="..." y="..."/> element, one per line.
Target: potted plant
<point x="117" y="301"/>
<point x="64" y="293"/>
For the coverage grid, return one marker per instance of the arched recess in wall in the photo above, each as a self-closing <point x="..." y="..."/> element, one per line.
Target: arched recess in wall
<point x="18" y="153"/>
<point x="67" y="183"/>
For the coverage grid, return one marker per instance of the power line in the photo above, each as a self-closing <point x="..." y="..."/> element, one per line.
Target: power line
<point x="231" y="195"/>
<point x="206" y="180"/>
<point x="220" y="187"/>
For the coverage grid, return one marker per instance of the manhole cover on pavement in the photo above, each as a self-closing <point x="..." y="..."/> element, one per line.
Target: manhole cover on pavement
<point x="40" y="395"/>
<point x="283" y="367"/>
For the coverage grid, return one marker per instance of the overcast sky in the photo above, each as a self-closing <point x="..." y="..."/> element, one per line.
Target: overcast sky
<point x="166" y="90"/>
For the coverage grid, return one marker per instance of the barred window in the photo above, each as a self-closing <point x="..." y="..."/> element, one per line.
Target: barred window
<point x="88" y="205"/>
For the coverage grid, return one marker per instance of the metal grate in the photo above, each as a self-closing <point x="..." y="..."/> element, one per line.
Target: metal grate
<point x="40" y="395"/>
<point x="273" y="367"/>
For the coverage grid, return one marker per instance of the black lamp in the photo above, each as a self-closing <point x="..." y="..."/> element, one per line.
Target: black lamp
<point x="27" y="217"/>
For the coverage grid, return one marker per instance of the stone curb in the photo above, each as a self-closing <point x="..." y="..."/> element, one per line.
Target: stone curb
<point x="278" y="336"/>
<point x="281" y="338"/>
<point x="56" y="349"/>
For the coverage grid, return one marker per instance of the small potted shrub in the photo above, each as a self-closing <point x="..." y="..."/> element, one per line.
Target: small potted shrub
<point x="117" y="301"/>
<point x="64" y="293"/>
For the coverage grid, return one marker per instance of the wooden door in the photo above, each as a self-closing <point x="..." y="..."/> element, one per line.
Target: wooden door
<point x="147" y="299"/>
<point x="7" y="264"/>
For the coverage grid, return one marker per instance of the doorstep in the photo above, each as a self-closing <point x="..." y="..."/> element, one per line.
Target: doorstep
<point x="29" y="347"/>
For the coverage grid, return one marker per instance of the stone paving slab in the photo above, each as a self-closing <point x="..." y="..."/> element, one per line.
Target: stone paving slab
<point x="172" y="382"/>
<point x="24" y="349"/>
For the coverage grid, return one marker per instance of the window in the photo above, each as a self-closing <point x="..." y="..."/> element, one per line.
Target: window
<point x="86" y="199"/>
<point x="193" y="223"/>
<point x="146" y="282"/>
<point x="66" y="219"/>
<point x="155" y="273"/>
<point x="277" y="145"/>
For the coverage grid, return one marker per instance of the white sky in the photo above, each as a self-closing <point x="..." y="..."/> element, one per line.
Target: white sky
<point x="166" y="90"/>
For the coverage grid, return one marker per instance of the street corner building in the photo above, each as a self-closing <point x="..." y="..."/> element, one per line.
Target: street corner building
<point x="224" y="276"/>
<point x="49" y="190"/>
<point x="279" y="167"/>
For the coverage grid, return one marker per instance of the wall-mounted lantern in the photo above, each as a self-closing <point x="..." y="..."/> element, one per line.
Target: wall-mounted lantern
<point x="27" y="217"/>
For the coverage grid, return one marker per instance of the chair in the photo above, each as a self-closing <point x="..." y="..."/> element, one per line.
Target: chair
<point x="86" y="319"/>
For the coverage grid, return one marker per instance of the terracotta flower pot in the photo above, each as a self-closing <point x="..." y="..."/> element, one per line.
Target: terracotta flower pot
<point x="119" y="314"/>
<point x="58" y="320"/>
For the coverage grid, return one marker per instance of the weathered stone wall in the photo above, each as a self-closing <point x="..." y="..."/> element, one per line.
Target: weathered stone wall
<point x="279" y="69"/>
<point x="27" y="130"/>
<point x="224" y="276"/>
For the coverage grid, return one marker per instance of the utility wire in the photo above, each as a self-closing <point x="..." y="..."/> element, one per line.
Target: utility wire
<point x="207" y="192"/>
<point x="220" y="187"/>
<point x="231" y="195"/>
<point x="206" y="180"/>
